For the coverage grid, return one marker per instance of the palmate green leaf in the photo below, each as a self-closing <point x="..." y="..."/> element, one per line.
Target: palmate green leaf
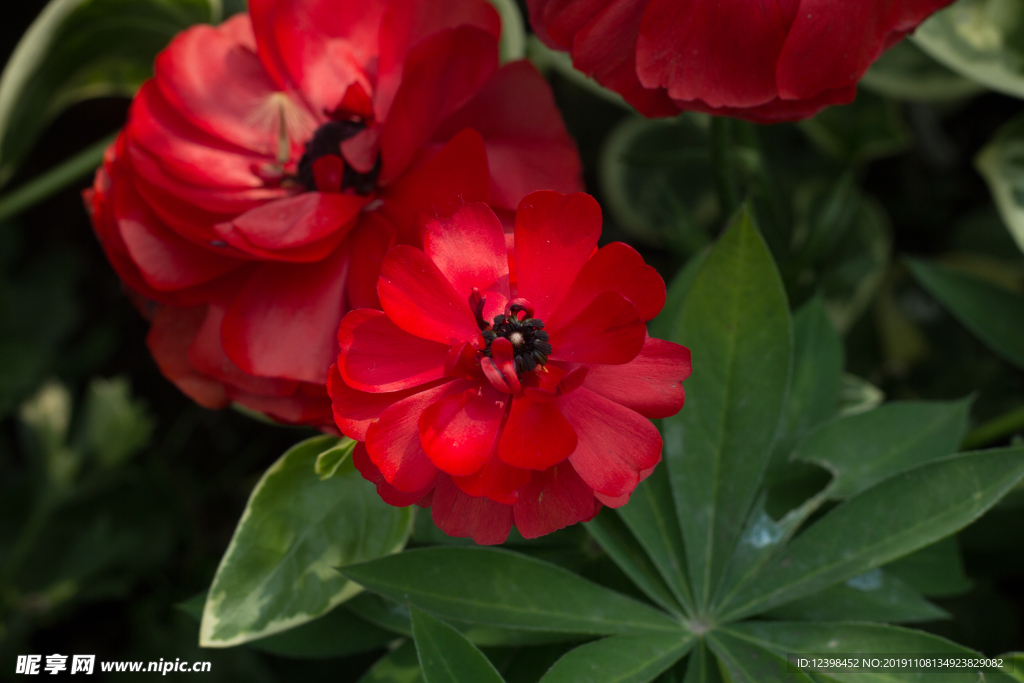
<point x="502" y="588"/>
<point x="446" y="656"/>
<point x="905" y="73"/>
<point x="702" y="666"/>
<point x="736" y="323"/>
<point x="871" y="596"/>
<point x="979" y="39"/>
<point x="612" y="534"/>
<point x="1001" y="163"/>
<point x="936" y="570"/>
<point x="862" y="450"/>
<point x="901" y="514"/>
<point x="852" y="638"/>
<point x="394" y="616"/>
<point x="748" y="662"/>
<point x="278" y="572"/>
<point x="77" y="49"/>
<point x="995" y="315"/>
<point x="621" y="659"/>
<point x="401" y="665"/>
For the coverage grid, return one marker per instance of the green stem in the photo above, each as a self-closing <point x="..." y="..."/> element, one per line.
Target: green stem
<point x="722" y="143"/>
<point x="994" y="430"/>
<point x="54" y="180"/>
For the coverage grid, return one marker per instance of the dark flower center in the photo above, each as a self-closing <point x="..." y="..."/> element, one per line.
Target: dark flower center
<point x="530" y="345"/>
<point x="327" y="141"/>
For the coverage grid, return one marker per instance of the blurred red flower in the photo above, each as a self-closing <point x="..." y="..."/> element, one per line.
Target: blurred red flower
<point x="273" y="160"/>
<point x="761" y="60"/>
<point x="509" y="378"/>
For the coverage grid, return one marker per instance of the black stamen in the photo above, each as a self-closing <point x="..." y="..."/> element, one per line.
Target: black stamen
<point x="327" y="140"/>
<point x="530" y="345"/>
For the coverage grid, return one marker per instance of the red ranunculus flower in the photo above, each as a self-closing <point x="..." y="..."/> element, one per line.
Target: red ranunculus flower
<point x="761" y="60"/>
<point x="509" y="378"/>
<point x="273" y="160"/>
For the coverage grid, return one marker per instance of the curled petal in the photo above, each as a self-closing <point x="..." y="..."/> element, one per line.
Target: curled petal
<point x="393" y="443"/>
<point x="651" y="384"/>
<point x="386" y="491"/>
<point x="459" y="514"/>
<point x="553" y="499"/>
<point x="608" y="331"/>
<point x="459" y="431"/>
<point x="536" y="435"/>
<point x="378" y="356"/>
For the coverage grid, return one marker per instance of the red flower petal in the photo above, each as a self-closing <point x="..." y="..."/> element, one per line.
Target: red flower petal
<point x="651" y="384"/>
<point x="369" y="241"/>
<point x="455" y="175"/>
<point x="609" y="331"/>
<point x="419" y="299"/>
<point x="536" y="436"/>
<point x="496" y="480"/>
<point x="721" y="54"/>
<point x="779" y="110"/>
<point x="469" y="249"/>
<point x="386" y="491"/>
<point x="355" y="410"/>
<point x="615" y="443"/>
<point x="616" y="267"/>
<point x="528" y="148"/>
<point x="554" y="236"/>
<point x="169" y="338"/>
<point x="393" y="442"/>
<point x="283" y="321"/>
<point x="378" y="356"/>
<point x="553" y="499"/>
<point x="460" y="430"/>
<point x="459" y="514"/>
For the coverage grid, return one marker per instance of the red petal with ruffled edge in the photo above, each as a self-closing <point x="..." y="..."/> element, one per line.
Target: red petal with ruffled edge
<point x="460" y="430"/>
<point x="609" y="330"/>
<point x="169" y="338"/>
<point x="552" y="500"/>
<point x="616" y="267"/>
<point x="378" y="356"/>
<point x="651" y="384"/>
<point x="458" y="514"/>
<point x="393" y="442"/>
<point x="555" y="235"/>
<point x="536" y="435"/>
<point x="528" y="148"/>
<point x="355" y="410"/>
<point x="469" y="250"/>
<point x="283" y="321"/>
<point x="496" y="480"/>
<point x="418" y="298"/>
<point x="615" y="443"/>
<point x="371" y="473"/>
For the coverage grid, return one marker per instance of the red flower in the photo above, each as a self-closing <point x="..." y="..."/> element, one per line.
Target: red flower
<point x="509" y="380"/>
<point x="761" y="60"/>
<point x="273" y="160"/>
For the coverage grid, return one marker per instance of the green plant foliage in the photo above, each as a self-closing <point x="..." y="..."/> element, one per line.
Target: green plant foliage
<point x="77" y="49"/>
<point x="979" y="39"/>
<point x="277" y="573"/>
<point x="116" y="427"/>
<point x="620" y="659"/>
<point x="907" y="73"/>
<point x="401" y="665"/>
<point x="995" y="315"/>
<point x="1001" y="163"/>
<point x="446" y="656"/>
<point x="872" y="127"/>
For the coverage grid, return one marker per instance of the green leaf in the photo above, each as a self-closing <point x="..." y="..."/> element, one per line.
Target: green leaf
<point x="936" y="570"/>
<point x="650" y="515"/>
<point x="748" y="662"/>
<point x="513" y="34"/>
<point x="1001" y="163"/>
<point x="502" y="588"/>
<point x="546" y="59"/>
<point x="116" y="427"/>
<point x="870" y="128"/>
<point x="401" y="665"/>
<point x="621" y="659"/>
<point x="857" y="395"/>
<point x="278" y="571"/>
<point x="663" y="325"/>
<point x="330" y="461"/>
<point x="394" y="616"/>
<point x="77" y="49"/>
<point x="872" y="596"/>
<point x="979" y="39"/>
<point x="612" y="534"/>
<point x="446" y="656"/>
<point x="905" y="73"/>
<point x="993" y="314"/>
<point x="901" y="514"/>
<point x="862" y="450"/>
<point x="1015" y="660"/>
<point x="847" y="638"/>
<point x="658" y="182"/>
<point x="736" y="323"/>
<point x="702" y="667"/>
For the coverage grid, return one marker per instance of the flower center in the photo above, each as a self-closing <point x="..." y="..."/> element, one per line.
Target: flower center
<point x="326" y="141"/>
<point x="529" y="341"/>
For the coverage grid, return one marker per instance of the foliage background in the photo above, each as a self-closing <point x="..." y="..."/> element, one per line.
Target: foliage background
<point x="134" y="538"/>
